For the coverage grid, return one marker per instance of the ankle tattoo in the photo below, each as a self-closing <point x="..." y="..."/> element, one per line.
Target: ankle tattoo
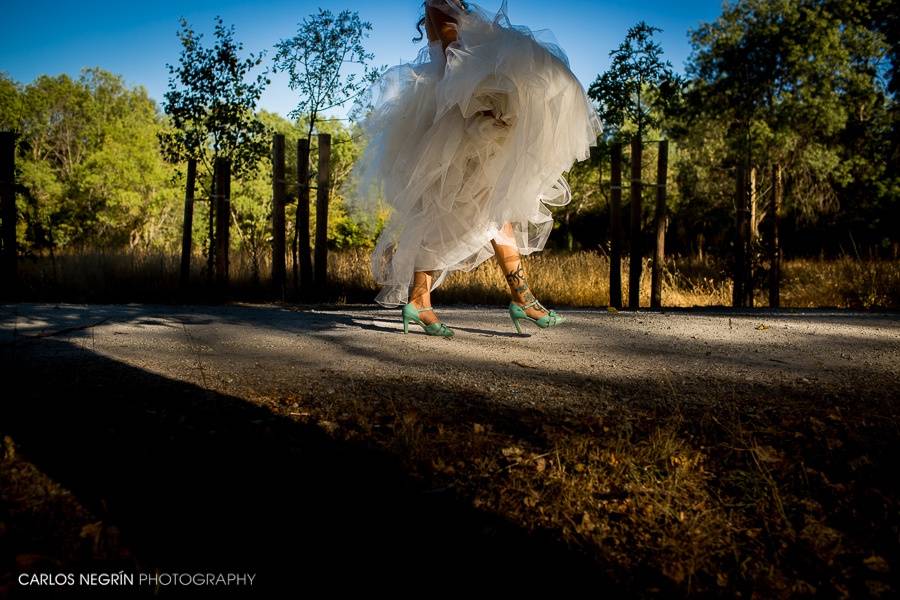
<point x="517" y="277"/>
<point x="516" y="280"/>
<point x="525" y="293"/>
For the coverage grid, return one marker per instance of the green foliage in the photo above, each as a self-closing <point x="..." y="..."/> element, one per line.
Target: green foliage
<point x="90" y="163"/>
<point x="347" y="228"/>
<point x="251" y="197"/>
<point x="315" y="58"/>
<point x="211" y="104"/>
<point x="807" y="84"/>
<point x="10" y="99"/>
<point x="636" y="74"/>
<point x="787" y="77"/>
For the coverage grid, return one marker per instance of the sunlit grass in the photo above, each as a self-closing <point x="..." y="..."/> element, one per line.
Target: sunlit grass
<point x="843" y="283"/>
<point x="557" y="278"/>
<point x="582" y="279"/>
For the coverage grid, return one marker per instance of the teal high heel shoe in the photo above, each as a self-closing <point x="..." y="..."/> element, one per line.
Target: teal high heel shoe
<point x="411" y="313"/>
<point x="516" y="313"/>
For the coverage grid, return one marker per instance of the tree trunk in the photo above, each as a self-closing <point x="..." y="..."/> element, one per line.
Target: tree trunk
<point x="634" y="263"/>
<point x="774" y="242"/>
<point x="615" y="227"/>
<point x="188" y="224"/>
<point x="754" y="190"/>
<point x="223" y="212"/>
<point x="749" y="235"/>
<point x="321" y="258"/>
<point x="279" y="186"/>
<point x="738" y="298"/>
<point x="301" y="230"/>
<point x="659" y="255"/>
<point x="8" y="208"/>
<point x="211" y="237"/>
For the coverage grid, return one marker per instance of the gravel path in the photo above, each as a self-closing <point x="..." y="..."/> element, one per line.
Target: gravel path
<point x="269" y="349"/>
<point x="202" y="414"/>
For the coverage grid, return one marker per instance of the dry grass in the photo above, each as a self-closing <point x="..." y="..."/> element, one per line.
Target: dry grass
<point x="570" y="278"/>
<point x="764" y="496"/>
<point x="558" y="278"/>
<point x="842" y="283"/>
<point x="58" y="523"/>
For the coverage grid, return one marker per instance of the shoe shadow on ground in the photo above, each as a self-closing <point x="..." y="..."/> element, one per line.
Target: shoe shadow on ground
<point x="197" y="480"/>
<point x="396" y="326"/>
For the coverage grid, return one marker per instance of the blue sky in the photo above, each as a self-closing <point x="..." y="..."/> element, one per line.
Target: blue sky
<point x="137" y="39"/>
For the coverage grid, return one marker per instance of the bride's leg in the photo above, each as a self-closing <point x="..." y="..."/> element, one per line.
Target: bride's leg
<point x="511" y="264"/>
<point x="421" y="295"/>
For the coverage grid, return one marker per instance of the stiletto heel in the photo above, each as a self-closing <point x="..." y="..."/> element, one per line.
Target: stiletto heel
<point x="517" y="313"/>
<point x="411" y="313"/>
<point x="516" y="323"/>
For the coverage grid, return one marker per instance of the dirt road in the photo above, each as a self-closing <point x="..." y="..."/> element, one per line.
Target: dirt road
<point x="216" y="437"/>
<point x="269" y="349"/>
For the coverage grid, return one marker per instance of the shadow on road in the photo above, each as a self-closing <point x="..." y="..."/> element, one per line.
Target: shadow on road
<point x="197" y="480"/>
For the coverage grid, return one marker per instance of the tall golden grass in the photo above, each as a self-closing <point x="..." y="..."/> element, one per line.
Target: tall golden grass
<point x="582" y="279"/>
<point x="557" y="278"/>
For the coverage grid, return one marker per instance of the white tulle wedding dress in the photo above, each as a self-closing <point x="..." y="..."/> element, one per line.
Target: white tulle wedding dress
<point x="452" y="173"/>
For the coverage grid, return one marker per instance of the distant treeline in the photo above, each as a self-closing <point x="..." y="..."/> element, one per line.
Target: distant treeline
<point x="809" y="85"/>
<point x="89" y="157"/>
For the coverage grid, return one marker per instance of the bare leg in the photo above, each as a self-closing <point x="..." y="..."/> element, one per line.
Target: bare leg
<point x="421" y="296"/>
<point x="511" y="264"/>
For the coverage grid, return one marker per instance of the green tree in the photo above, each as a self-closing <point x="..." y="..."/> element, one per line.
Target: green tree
<point x="869" y="144"/>
<point x="124" y="180"/>
<point x="785" y="75"/>
<point x="90" y="161"/>
<point x="10" y="103"/>
<point x="315" y="59"/>
<point x="211" y="104"/>
<point x="251" y="196"/>
<point x="636" y="80"/>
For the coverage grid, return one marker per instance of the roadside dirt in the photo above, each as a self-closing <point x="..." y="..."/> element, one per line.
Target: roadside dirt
<point x="689" y="450"/>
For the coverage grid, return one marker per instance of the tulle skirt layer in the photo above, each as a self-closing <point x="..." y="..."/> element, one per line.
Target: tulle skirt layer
<point x="452" y="173"/>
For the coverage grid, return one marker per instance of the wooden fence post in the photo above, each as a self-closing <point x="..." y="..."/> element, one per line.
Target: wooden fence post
<point x="634" y="264"/>
<point x="301" y="236"/>
<point x="211" y="227"/>
<point x="8" y="210"/>
<point x="188" y="224"/>
<point x="774" y="241"/>
<point x="740" y="245"/>
<point x="615" y="227"/>
<point x="659" y="255"/>
<point x="751" y="205"/>
<point x="223" y="214"/>
<point x="750" y="235"/>
<point x="279" y="186"/>
<point x="321" y="258"/>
